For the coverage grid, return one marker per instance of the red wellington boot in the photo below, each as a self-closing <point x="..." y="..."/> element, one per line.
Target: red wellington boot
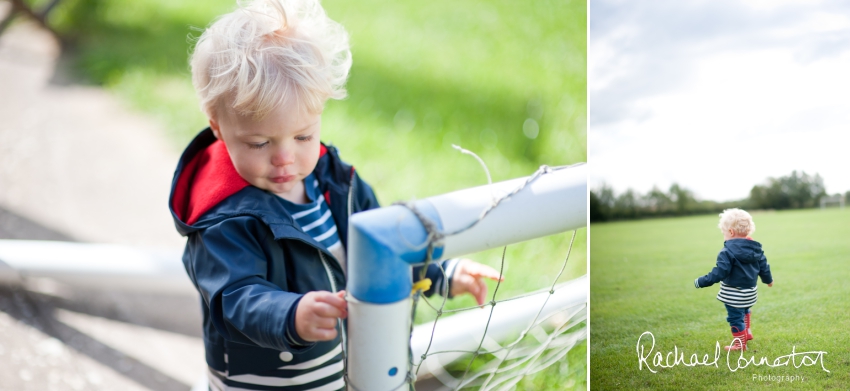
<point x="739" y="341"/>
<point x="749" y="330"/>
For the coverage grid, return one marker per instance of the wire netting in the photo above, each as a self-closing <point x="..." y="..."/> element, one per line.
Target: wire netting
<point x="494" y="364"/>
<point x="501" y="365"/>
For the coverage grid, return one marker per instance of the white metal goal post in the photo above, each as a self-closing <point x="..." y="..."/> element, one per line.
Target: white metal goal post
<point x="384" y="244"/>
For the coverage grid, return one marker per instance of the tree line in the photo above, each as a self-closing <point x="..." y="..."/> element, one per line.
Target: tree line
<point x="795" y="191"/>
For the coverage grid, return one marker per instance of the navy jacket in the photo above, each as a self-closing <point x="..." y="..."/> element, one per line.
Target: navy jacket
<point x="249" y="260"/>
<point x="739" y="264"/>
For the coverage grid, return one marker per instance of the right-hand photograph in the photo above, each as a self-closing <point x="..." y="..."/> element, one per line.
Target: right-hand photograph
<point x="718" y="191"/>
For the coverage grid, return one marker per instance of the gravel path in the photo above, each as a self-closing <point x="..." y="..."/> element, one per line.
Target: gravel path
<point x="77" y="164"/>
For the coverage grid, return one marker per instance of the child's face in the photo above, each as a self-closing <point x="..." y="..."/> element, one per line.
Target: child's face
<point x="274" y="154"/>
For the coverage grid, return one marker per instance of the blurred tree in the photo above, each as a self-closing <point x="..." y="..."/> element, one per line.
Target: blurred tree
<point x="595" y="212"/>
<point x="627" y="205"/>
<point x="798" y="190"/>
<point x="601" y="203"/>
<point x="682" y="198"/>
<point x="795" y="191"/>
<point x="658" y="202"/>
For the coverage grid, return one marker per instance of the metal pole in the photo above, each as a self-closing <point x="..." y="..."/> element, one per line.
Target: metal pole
<point x="104" y="266"/>
<point x="385" y="243"/>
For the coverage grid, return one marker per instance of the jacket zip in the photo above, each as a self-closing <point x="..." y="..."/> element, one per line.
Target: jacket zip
<point x="350" y="191"/>
<point x="331" y="278"/>
<point x="339" y="321"/>
<point x="328" y="271"/>
<point x="334" y="289"/>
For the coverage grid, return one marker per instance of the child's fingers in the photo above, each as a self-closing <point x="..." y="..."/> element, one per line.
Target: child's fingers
<point x="326" y="310"/>
<point x="325" y="323"/>
<point x="478" y="270"/>
<point x="475" y="287"/>
<point x="334" y="299"/>
<point x="480" y="291"/>
<point x="315" y="319"/>
<point x="320" y="334"/>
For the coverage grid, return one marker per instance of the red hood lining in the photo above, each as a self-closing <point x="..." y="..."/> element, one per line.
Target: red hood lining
<point x="206" y="180"/>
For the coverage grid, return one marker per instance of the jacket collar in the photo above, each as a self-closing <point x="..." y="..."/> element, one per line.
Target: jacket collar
<point x="207" y="189"/>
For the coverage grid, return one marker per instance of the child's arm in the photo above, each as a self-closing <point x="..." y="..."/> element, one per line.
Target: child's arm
<point x="228" y="263"/>
<point x="717" y="274"/>
<point x="764" y="271"/>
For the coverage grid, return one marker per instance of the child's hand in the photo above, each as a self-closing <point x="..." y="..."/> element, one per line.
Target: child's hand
<point x="770" y="285"/>
<point x="469" y="278"/>
<point x="317" y="314"/>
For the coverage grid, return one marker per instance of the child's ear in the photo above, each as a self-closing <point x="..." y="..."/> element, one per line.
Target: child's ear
<point x="215" y="128"/>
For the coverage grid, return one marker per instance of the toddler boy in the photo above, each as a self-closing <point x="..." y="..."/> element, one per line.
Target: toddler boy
<point x="739" y="264"/>
<point x="265" y="205"/>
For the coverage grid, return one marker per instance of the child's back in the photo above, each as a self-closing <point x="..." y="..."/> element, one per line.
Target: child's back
<point x="745" y="260"/>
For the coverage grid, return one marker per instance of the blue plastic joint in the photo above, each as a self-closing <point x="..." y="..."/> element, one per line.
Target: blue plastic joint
<point x="383" y="245"/>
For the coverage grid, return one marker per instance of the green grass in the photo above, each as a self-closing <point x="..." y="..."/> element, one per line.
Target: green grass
<point x="469" y="73"/>
<point x="642" y="280"/>
<point x="426" y="75"/>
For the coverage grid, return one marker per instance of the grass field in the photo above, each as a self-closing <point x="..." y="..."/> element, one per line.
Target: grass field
<point x="642" y="275"/>
<point x="504" y="79"/>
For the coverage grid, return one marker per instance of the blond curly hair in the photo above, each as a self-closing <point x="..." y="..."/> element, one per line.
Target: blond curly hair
<point x="268" y="53"/>
<point x="738" y="220"/>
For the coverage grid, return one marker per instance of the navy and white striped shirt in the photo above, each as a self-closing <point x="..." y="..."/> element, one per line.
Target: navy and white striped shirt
<point x="737" y="297"/>
<point x="315" y="219"/>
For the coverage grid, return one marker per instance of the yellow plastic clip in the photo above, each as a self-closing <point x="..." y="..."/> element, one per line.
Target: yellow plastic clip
<point x="421" y="285"/>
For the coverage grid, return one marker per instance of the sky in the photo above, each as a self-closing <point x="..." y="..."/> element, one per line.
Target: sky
<point x="718" y="96"/>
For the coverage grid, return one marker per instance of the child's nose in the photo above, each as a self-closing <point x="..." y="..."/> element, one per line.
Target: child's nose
<point x="282" y="157"/>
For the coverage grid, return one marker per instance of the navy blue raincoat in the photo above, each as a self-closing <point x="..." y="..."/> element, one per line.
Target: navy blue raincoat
<point x="251" y="263"/>
<point x="739" y="264"/>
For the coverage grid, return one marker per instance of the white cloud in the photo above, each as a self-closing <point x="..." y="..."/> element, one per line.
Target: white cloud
<point x="745" y="105"/>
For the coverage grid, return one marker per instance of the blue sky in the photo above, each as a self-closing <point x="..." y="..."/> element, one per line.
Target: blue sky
<point x="718" y="95"/>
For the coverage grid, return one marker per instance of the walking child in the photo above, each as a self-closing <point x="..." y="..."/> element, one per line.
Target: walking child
<point x="739" y="265"/>
<point x="265" y="205"/>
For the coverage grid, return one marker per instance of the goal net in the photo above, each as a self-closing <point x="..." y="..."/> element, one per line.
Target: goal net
<point x="462" y="348"/>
